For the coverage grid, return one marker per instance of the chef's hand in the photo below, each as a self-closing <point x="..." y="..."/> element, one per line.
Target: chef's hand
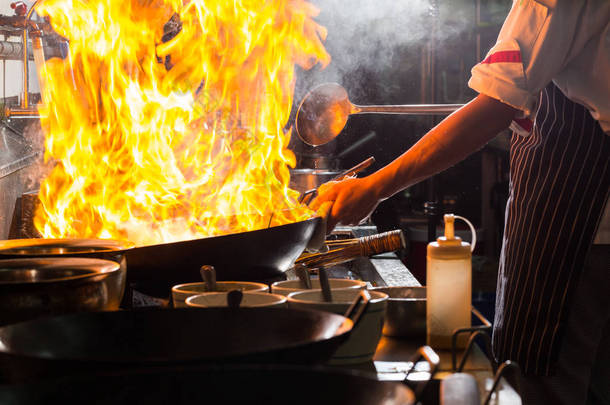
<point x="353" y="200"/>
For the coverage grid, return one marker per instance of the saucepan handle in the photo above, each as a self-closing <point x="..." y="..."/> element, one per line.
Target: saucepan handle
<point x="433" y="360"/>
<point x="358" y="307"/>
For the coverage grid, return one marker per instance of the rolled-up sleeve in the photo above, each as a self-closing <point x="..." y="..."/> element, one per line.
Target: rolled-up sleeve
<point x="534" y="44"/>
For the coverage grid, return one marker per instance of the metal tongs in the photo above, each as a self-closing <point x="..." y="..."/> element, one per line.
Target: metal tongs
<point x="308" y="195"/>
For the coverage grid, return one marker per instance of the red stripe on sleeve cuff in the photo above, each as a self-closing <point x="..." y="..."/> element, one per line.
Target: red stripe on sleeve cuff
<point x="503" y="57"/>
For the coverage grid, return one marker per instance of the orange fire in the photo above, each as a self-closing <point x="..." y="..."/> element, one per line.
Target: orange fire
<point x="163" y="141"/>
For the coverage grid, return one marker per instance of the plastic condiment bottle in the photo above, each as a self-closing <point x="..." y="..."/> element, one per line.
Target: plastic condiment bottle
<point x="449" y="285"/>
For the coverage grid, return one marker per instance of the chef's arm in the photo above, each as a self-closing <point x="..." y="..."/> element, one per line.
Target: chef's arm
<point x="457" y="136"/>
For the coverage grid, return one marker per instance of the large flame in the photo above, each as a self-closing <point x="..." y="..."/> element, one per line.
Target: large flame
<point x="162" y="141"/>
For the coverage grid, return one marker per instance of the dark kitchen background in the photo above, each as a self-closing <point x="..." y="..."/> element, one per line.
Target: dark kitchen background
<point x="410" y="52"/>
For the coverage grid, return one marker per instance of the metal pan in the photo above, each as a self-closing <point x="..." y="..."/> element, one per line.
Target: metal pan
<point x="71" y="344"/>
<point x="62" y="248"/>
<point x="33" y="288"/>
<point x="217" y="385"/>
<point x="247" y="256"/>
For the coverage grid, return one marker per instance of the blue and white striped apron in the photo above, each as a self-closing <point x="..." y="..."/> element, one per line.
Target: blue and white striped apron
<point x="558" y="186"/>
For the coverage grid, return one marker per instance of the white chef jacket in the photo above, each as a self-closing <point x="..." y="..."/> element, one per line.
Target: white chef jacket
<point x="566" y="41"/>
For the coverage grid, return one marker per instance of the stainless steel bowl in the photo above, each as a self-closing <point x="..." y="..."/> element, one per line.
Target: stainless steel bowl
<point x="36" y="287"/>
<point x="406" y="313"/>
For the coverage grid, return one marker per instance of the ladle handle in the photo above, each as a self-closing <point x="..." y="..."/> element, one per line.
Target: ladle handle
<point x="407" y="109"/>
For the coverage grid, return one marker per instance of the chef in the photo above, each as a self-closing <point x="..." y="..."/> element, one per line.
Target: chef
<point x="548" y="79"/>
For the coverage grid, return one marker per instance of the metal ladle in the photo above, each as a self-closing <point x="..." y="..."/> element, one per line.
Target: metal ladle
<point x="323" y="112"/>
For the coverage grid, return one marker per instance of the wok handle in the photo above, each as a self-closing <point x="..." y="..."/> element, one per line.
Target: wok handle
<point x="346" y="250"/>
<point x="433" y="360"/>
<point x="359" y="306"/>
<point x="382" y="243"/>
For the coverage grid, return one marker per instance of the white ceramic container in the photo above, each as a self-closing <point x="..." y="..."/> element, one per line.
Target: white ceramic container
<point x="289" y="286"/>
<point x="181" y="292"/>
<point x="249" y="300"/>
<point x="360" y="346"/>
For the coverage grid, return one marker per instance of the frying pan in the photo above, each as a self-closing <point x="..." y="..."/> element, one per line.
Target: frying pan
<point x="217" y="385"/>
<point x="71" y="344"/>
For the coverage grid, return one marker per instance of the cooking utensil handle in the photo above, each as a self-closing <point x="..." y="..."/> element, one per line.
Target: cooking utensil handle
<point x="325" y="285"/>
<point x="208" y="274"/>
<point x="381" y="243"/>
<point x="361" y="303"/>
<point x="407" y="109"/>
<point x="355" y="170"/>
<point x="234" y="298"/>
<point x="433" y="360"/>
<point x="307" y="196"/>
<point x="468" y="350"/>
<point x="503" y="369"/>
<point x="303" y="275"/>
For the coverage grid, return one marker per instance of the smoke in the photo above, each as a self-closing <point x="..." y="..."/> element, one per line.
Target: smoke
<point x="369" y="37"/>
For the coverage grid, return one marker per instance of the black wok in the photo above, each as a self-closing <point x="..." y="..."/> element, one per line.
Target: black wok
<point x="214" y="385"/>
<point x="255" y="255"/>
<point x="71" y="344"/>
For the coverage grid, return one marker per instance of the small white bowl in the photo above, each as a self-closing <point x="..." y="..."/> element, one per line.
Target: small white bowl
<point x="181" y="292"/>
<point x="250" y="299"/>
<point x="362" y="342"/>
<point x="289" y="286"/>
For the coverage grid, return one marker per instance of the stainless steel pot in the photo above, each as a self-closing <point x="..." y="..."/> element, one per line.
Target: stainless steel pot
<point x="307" y="179"/>
<point x="406" y="313"/>
<point x="33" y="288"/>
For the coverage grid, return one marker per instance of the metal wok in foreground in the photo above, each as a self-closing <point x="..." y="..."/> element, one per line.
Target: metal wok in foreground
<point x="141" y="339"/>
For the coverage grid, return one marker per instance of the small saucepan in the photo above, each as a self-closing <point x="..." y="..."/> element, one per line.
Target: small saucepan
<point x="406" y="312"/>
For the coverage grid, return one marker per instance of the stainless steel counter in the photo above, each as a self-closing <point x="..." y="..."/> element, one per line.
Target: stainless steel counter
<point x="381" y="270"/>
<point x="392" y="356"/>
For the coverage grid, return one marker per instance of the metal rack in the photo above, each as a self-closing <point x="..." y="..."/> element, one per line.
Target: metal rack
<point x="38" y="42"/>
